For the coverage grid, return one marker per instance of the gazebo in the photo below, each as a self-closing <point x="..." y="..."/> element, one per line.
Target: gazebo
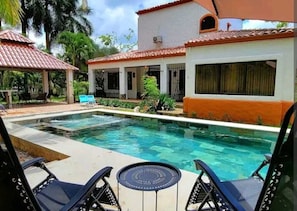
<point x="18" y="53"/>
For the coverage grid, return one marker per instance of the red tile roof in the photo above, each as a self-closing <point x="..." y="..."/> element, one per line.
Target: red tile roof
<point x="211" y="38"/>
<point x="222" y="37"/>
<point x="18" y="52"/>
<point x="139" y="55"/>
<point x="8" y="35"/>
<point x="163" y="6"/>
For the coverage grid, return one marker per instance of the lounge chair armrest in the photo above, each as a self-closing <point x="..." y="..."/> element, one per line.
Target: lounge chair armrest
<point x="33" y="162"/>
<point x="217" y="184"/>
<point x="38" y="162"/>
<point x="268" y="157"/>
<point x="88" y="187"/>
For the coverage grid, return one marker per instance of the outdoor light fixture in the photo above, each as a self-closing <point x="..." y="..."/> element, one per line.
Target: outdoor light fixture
<point x="146" y="68"/>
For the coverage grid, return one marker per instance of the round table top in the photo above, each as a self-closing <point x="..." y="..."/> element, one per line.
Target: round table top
<point x="148" y="176"/>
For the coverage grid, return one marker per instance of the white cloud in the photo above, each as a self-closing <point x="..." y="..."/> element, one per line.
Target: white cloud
<point x="118" y="16"/>
<point x="112" y="16"/>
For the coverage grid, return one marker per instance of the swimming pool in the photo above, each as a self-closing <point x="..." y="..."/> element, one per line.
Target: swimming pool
<point x="231" y="153"/>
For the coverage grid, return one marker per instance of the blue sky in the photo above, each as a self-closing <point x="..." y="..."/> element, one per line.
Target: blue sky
<point x="117" y="16"/>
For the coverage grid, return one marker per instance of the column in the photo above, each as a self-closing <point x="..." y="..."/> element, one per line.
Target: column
<point x="45" y="82"/>
<point x="123" y="86"/>
<point x="8" y="97"/>
<point x="69" y="86"/>
<point x="92" y="82"/>
<point x="163" y="78"/>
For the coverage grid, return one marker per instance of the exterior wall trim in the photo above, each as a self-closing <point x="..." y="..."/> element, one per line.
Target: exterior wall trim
<point x="239" y="39"/>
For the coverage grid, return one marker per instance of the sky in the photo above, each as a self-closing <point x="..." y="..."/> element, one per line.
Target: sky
<point x="118" y="16"/>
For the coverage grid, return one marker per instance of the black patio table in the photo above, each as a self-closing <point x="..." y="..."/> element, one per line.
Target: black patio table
<point x="149" y="176"/>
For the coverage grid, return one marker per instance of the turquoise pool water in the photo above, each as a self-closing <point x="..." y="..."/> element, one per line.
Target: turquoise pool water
<point x="230" y="156"/>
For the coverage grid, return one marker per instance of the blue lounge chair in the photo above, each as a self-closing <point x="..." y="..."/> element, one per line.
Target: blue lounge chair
<point x="83" y="99"/>
<point x="91" y="100"/>
<point x="275" y="192"/>
<point x="51" y="193"/>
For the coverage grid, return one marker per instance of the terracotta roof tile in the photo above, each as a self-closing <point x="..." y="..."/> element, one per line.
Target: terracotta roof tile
<point x="211" y="38"/>
<point x="16" y="51"/>
<point x="137" y="55"/>
<point x="8" y="35"/>
<point x="222" y="37"/>
<point x="163" y="6"/>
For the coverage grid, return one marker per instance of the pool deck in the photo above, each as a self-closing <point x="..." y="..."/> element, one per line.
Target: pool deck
<point x="84" y="160"/>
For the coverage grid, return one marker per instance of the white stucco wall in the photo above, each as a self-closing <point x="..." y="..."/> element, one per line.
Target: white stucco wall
<point x="281" y="50"/>
<point x="176" y="25"/>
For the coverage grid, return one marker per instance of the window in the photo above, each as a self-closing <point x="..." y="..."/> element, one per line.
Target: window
<point x="242" y="78"/>
<point x="113" y="80"/>
<point x="155" y="71"/>
<point x="182" y="80"/>
<point x="208" y="23"/>
<point x="129" y="80"/>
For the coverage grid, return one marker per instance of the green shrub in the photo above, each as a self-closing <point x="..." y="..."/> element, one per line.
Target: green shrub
<point x="152" y="99"/>
<point x="166" y="103"/>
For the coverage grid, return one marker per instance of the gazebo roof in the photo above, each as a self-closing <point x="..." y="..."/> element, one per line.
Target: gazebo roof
<point x="18" y="52"/>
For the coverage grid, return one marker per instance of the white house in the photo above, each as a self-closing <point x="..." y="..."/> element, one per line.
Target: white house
<point x="218" y="70"/>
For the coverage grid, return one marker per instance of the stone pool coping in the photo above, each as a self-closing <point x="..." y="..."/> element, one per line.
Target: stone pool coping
<point x="77" y="162"/>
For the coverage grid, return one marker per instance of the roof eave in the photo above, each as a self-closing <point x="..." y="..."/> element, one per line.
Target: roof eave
<point x="239" y="39"/>
<point x="163" y="6"/>
<point x="136" y="59"/>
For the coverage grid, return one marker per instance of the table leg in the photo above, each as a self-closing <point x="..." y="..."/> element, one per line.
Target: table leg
<point x="118" y="191"/>
<point x="142" y="200"/>
<point x="176" y="206"/>
<point x="156" y="208"/>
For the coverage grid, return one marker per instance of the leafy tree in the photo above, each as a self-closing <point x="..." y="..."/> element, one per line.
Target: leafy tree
<point x="10" y="12"/>
<point x="151" y="94"/>
<point x="150" y="87"/>
<point x="111" y="41"/>
<point x="78" y="48"/>
<point x="153" y="100"/>
<point x="80" y="87"/>
<point x="52" y="17"/>
<point x="104" y="51"/>
<point x="281" y="25"/>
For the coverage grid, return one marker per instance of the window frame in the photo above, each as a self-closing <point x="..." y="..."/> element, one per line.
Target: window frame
<point x="218" y="78"/>
<point x="113" y="81"/>
<point x="210" y="29"/>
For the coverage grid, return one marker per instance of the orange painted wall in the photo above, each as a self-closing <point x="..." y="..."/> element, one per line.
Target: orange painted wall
<point x="253" y="112"/>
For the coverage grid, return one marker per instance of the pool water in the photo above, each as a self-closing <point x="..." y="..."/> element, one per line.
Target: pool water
<point x="230" y="156"/>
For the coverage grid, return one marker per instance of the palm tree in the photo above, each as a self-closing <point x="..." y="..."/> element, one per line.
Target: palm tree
<point x="52" y="17"/>
<point x="84" y="4"/>
<point x="10" y="12"/>
<point x="78" y="48"/>
<point x="71" y="18"/>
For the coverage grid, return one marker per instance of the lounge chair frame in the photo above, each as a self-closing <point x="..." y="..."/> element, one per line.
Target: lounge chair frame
<point x="276" y="192"/>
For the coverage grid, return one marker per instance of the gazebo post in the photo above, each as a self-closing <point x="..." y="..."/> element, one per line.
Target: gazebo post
<point x="45" y="83"/>
<point x="69" y="86"/>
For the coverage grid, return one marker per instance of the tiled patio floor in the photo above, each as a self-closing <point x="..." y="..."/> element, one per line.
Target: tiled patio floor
<point x="29" y="109"/>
